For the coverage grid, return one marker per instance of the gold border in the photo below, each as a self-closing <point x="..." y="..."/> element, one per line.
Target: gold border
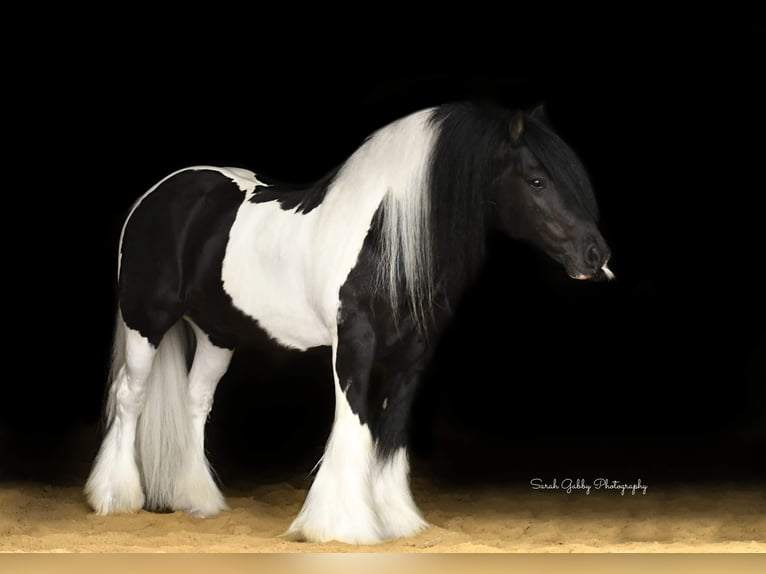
<point x="378" y="563"/>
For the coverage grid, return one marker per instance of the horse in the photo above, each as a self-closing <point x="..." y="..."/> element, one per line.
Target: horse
<point x="370" y="260"/>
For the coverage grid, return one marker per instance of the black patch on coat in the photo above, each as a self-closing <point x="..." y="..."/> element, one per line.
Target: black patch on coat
<point x="294" y="197"/>
<point x="380" y="359"/>
<point x="172" y="259"/>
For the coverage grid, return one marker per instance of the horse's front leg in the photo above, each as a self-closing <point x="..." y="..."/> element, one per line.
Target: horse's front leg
<point x="339" y="505"/>
<point x="396" y="510"/>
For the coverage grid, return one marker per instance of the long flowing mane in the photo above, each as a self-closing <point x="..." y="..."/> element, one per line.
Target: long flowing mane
<point x="437" y="230"/>
<point x="464" y="166"/>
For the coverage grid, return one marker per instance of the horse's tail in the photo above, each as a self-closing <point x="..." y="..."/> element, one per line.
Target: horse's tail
<point x="116" y="366"/>
<point x="163" y="433"/>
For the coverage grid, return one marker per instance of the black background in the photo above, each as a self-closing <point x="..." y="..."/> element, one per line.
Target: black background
<point x="660" y="375"/>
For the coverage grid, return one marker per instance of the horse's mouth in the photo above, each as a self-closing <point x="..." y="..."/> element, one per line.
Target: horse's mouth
<point x="603" y="274"/>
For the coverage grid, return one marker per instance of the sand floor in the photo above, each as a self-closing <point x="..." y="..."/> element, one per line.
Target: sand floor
<point x="35" y="517"/>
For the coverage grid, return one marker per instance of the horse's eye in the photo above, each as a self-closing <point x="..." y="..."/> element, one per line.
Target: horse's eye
<point x="537" y="182"/>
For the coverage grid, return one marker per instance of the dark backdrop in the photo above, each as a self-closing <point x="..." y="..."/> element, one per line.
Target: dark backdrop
<point x="660" y="374"/>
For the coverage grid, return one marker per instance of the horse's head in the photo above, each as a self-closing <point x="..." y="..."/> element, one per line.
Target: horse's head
<point x="544" y="197"/>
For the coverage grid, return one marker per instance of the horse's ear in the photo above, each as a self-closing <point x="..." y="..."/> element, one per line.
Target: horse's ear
<point x="539" y="114"/>
<point x="517" y="128"/>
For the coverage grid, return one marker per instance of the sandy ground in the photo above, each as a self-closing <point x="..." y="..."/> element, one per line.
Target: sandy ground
<point x="42" y="518"/>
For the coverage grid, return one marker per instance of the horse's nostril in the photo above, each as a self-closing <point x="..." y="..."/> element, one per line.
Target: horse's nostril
<point x="593" y="256"/>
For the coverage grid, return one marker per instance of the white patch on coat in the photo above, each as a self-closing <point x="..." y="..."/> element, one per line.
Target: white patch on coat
<point x="285" y="269"/>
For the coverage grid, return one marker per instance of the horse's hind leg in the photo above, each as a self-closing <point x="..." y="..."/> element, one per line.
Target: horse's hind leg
<point x="196" y="491"/>
<point x="339" y="503"/>
<point x="114" y="484"/>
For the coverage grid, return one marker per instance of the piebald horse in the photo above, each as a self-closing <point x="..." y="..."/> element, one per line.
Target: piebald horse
<point x="369" y="260"/>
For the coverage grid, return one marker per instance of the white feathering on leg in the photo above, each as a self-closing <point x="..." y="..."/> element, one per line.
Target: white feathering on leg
<point x="114" y="484"/>
<point x="397" y="512"/>
<point x="196" y="492"/>
<point x="339" y="505"/>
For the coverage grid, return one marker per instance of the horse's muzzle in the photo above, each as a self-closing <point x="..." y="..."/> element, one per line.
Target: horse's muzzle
<point x="593" y="263"/>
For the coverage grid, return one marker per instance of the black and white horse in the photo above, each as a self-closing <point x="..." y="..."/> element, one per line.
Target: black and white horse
<point x="369" y="260"/>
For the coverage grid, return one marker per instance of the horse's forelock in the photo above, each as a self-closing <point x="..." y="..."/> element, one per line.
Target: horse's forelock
<point x="561" y="162"/>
